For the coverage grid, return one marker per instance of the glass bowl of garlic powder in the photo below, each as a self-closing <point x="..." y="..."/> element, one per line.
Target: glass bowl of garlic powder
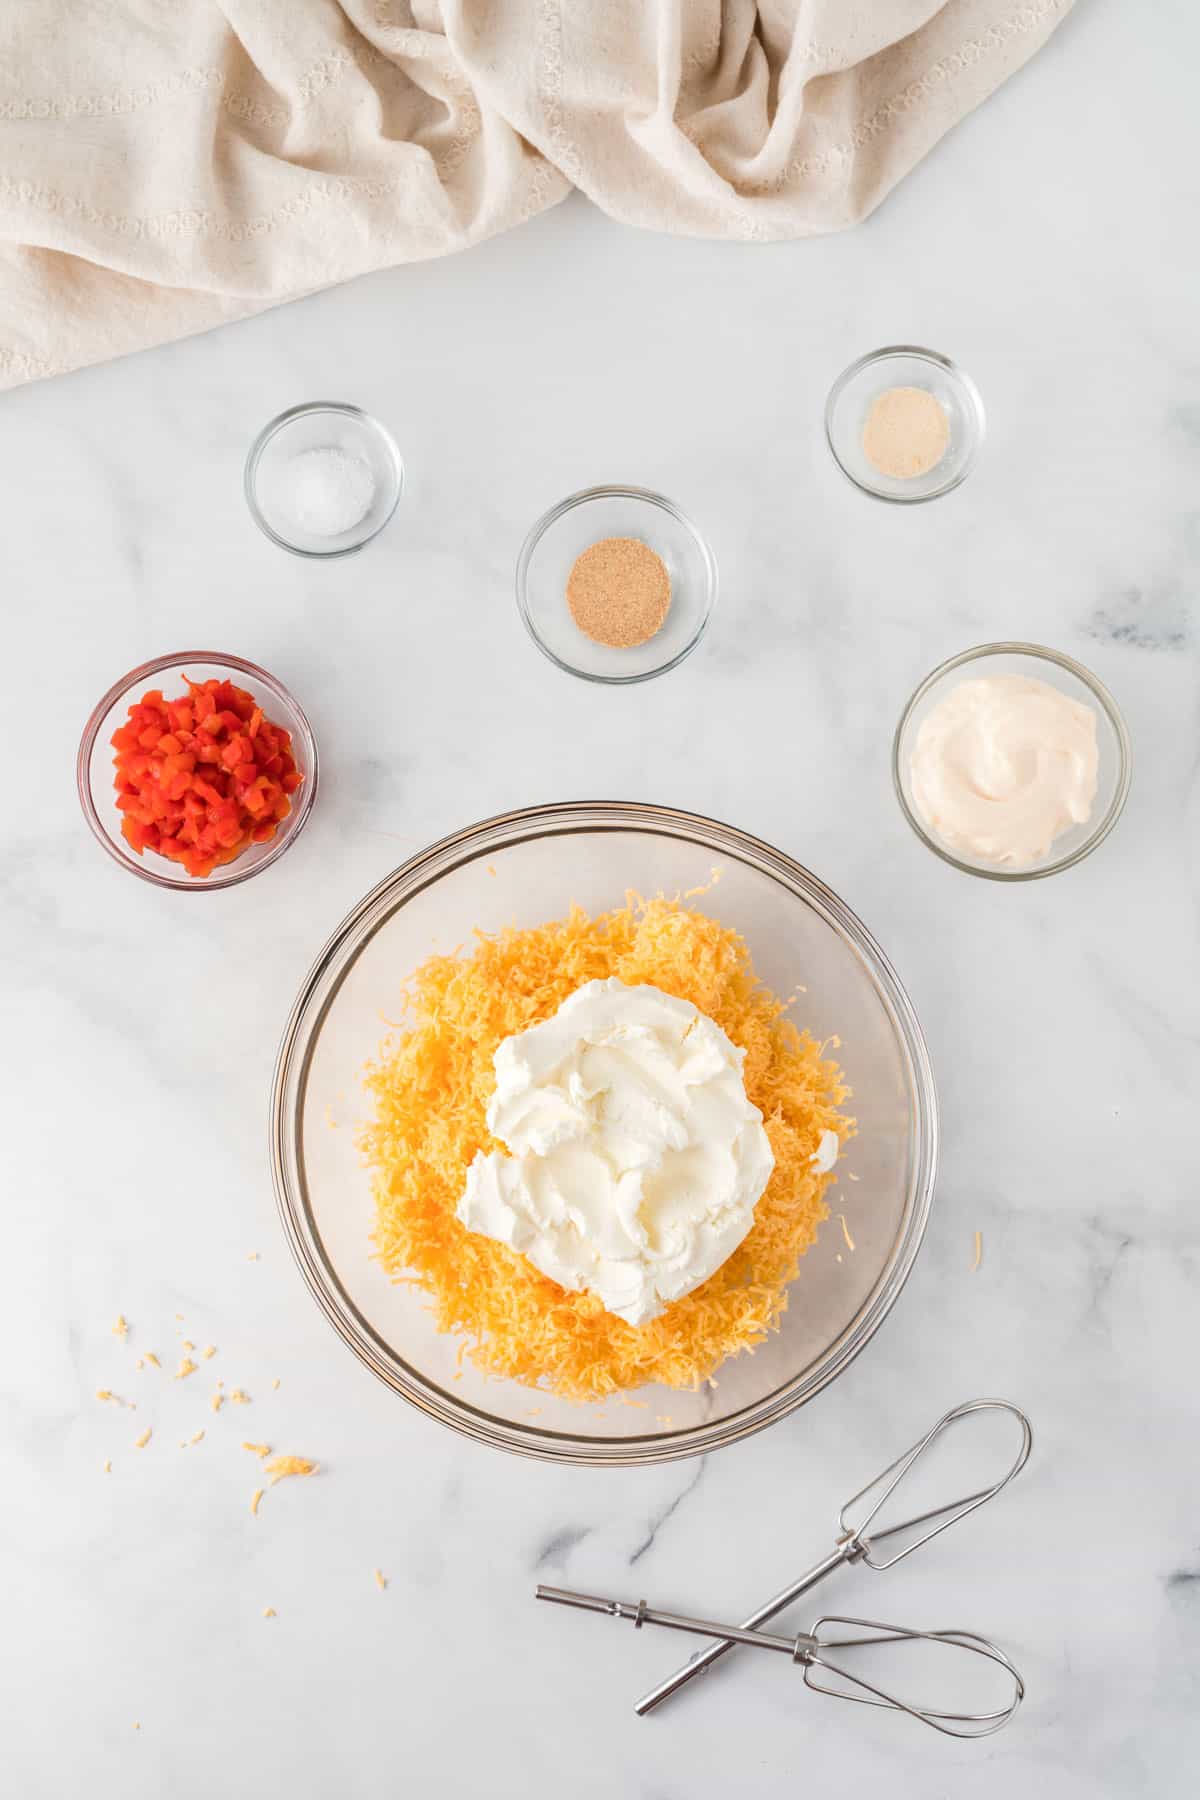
<point x="904" y="424"/>
<point x="616" y="584"/>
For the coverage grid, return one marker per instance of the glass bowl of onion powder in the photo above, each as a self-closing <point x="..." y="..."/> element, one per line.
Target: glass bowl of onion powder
<point x="904" y="424"/>
<point x="323" y="479"/>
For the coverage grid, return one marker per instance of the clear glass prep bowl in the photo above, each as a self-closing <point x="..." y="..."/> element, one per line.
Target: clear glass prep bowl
<point x="527" y="867"/>
<point x="1038" y="663"/>
<point x="904" y="365"/>
<point x="321" y="425"/>
<point x="561" y="535"/>
<point x="94" y="765"/>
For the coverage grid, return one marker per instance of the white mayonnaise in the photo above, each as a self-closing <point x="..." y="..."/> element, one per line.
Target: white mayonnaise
<point x="1003" y="766"/>
<point x="636" y="1158"/>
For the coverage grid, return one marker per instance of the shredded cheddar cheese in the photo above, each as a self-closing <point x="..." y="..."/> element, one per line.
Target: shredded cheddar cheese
<point x="141" y="1442"/>
<point x="153" y="1360"/>
<point x="255" y="1497"/>
<point x="380" y="1580"/>
<point x="280" y="1467"/>
<point x="187" y="1367"/>
<point x="108" y="1465"/>
<point x="239" y="1397"/>
<point x="846" y="1232"/>
<point x="275" y="1383"/>
<point x="218" y="1400"/>
<point x="257" y="1449"/>
<point x="978" y="1251"/>
<point x="121" y="1328"/>
<point x="269" y="1612"/>
<point x="430" y="1087"/>
<point x="208" y="1352"/>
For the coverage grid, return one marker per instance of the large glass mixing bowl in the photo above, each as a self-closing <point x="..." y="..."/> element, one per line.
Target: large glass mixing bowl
<point x="524" y="868"/>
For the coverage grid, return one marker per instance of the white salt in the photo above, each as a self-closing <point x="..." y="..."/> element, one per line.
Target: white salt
<point x="327" y="491"/>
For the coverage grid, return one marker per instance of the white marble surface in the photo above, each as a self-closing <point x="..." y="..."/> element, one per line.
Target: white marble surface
<point x="1050" y="246"/>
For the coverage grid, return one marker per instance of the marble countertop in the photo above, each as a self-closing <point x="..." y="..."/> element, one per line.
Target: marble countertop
<point x="1049" y="246"/>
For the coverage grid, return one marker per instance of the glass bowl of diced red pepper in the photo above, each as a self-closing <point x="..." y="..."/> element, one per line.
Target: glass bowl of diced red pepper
<point x="197" y="770"/>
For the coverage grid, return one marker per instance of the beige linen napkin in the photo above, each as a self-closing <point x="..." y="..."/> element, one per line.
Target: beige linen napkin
<point x="166" y="165"/>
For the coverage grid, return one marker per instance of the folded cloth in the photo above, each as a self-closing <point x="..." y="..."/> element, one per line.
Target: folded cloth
<point x="167" y="167"/>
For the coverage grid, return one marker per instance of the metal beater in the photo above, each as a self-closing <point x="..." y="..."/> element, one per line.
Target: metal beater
<point x="861" y="1539"/>
<point x="814" y="1652"/>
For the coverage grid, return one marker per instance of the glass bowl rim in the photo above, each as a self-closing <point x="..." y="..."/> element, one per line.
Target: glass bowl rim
<point x="922" y="354"/>
<point x="279" y="423"/>
<point x="1111" y="711"/>
<point x="607" y="491"/>
<point x="317" y="994"/>
<point x="229" y="874"/>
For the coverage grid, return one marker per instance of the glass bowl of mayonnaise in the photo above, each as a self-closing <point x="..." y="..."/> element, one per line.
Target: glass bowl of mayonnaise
<point x="1011" y="761"/>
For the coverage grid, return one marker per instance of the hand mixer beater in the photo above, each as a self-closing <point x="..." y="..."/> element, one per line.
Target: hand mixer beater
<point x="864" y="1536"/>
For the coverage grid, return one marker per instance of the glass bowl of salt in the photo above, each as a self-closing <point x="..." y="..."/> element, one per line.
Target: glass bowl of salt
<point x="323" y="479"/>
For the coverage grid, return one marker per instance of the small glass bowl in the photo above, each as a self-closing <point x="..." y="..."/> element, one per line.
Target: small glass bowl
<point x="904" y="365"/>
<point x="1070" y="678"/>
<point x="565" y="532"/>
<point x="94" y="766"/>
<point x="321" y="425"/>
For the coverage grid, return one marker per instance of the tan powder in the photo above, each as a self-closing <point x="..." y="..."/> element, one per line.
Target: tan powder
<point x="619" y="592"/>
<point x="906" y="433"/>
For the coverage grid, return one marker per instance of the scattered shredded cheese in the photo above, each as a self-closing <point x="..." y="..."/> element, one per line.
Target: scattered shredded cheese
<point x="253" y="1256"/>
<point x="108" y="1465"/>
<point x="195" y="1437"/>
<point x="187" y="1367"/>
<point x="217" y="1401"/>
<point x="380" y="1580"/>
<point x="153" y="1360"/>
<point x="269" y="1612"/>
<point x="255" y="1497"/>
<point x="239" y="1397"/>
<point x="121" y="1328"/>
<point x="208" y="1352"/>
<point x="978" y="1251"/>
<point x="430" y="1087"/>
<point x="188" y="1345"/>
<point x="257" y="1449"/>
<point x="275" y="1383"/>
<point x="852" y="1177"/>
<point x="846" y="1232"/>
<point x="140" y="1443"/>
<point x="280" y="1467"/>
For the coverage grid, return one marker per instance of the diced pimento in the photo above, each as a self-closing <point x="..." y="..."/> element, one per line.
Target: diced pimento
<point x="201" y="778"/>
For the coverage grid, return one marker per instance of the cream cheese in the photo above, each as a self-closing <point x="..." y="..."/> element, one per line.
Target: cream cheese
<point x="636" y="1159"/>
<point x="1003" y="766"/>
